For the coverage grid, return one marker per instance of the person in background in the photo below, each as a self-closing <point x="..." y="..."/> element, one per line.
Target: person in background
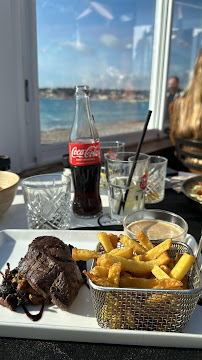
<point x="185" y="112"/>
<point x="173" y="88"/>
<point x="172" y="94"/>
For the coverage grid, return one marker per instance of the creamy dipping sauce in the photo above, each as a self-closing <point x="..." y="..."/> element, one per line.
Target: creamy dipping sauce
<point x="156" y="229"/>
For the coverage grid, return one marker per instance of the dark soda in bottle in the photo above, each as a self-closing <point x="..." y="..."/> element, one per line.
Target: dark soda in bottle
<point x="84" y="158"/>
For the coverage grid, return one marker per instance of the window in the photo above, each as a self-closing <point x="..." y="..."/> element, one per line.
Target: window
<point x="107" y="45"/>
<point x="186" y="39"/>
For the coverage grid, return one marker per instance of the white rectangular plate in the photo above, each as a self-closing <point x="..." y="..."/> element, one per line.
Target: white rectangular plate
<point x="79" y="323"/>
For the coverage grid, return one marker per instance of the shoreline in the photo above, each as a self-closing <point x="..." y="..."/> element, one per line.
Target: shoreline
<point x="62" y="135"/>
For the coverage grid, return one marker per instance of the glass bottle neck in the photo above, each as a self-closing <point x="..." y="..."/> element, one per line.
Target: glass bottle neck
<point x="83" y="105"/>
<point x="83" y="126"/>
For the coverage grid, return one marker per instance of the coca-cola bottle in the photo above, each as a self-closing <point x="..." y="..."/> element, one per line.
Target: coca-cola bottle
<point x="84" y="157"/>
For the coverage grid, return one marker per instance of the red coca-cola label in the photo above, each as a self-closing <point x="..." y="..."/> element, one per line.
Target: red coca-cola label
<point x="84" y="154"/>
<point x="143" y="183"/>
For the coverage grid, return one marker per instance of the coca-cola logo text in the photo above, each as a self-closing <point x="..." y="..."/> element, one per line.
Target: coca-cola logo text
<point x="90" y="152"/>
<point x="143" y="183"/>
<point x="84" y="154"/>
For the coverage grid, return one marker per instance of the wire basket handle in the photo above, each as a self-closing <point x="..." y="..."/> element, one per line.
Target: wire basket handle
<point x="198" y="255"/>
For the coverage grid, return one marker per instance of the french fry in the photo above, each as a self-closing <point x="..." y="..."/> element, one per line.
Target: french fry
<point x="105" y="241"/>
<point x="137" y="248"/>
<point x="100" y="272"/>
<point x="113" y="239"/>
<point x="137" y="258"/>
<point x="114" y="251"/>
<point x="144" y="240"/>
<point x="159" y="273"/>
<point x="82" y="254"/>
<point x="99" y="281"/>
<point x="165" y="268"/>
<point x="133" y="266"/>
<point x="114" y="274"/>
<point x="156" y="251"/>
<point x="182" y="266"/>
<point x="103" y="261"/>
<point x="142" y="283"/>
<point x="126" y="252"/>
<point x="125" y="273"/>
<point x="163" y="259"/>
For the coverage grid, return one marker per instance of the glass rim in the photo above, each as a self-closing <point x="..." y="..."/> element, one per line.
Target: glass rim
<point x="43" y="186"/>
<point x="164" y="159"/>
<point x="185" y="230"/>
<point x="108" y="142"/>
<point x="107" y="157"/>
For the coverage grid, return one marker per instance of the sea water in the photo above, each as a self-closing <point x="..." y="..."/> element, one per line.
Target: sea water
<point x="58" y="114"/>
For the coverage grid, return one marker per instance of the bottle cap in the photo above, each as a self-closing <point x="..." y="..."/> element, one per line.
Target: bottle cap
<point x="5" y="162"/>
<point x="82" y="89"/>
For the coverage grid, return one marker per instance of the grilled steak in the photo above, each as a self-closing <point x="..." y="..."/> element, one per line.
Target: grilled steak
<point x="50" y="270"/>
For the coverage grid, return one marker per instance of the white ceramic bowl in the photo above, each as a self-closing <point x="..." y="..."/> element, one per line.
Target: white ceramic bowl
<point x="8" y="187"/>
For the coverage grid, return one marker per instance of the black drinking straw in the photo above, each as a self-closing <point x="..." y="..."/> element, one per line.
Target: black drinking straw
<point x="123" y="202"/>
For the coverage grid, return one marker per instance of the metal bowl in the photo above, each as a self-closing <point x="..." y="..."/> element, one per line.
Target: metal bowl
<point x="186" y="187"/>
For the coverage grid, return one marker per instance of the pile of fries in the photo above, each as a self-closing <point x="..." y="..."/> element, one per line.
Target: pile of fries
<point x="133" y="280"/>
<point x="127" y="263"/>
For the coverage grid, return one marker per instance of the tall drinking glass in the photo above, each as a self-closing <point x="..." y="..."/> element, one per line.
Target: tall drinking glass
<point x="123" y="197"/>
<point x="108" y="147"/>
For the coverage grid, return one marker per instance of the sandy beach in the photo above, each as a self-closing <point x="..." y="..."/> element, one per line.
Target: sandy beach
<point x="62" y="135"/>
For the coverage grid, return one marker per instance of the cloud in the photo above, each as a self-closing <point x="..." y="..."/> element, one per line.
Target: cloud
<point x="78" y="46"/>
<point x="84" y="13"/>
<point x="102" y="10"/>
<point x="113" y="72"/>
<point x="129" y="46"/>
<point x="126" y="18"/>
<point x="111" y="41"/>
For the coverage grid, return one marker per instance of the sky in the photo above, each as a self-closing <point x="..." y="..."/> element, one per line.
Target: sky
<point x="105" y="43"/>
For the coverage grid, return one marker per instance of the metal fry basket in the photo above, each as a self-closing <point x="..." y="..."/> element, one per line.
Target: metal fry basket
<point x="148" y="309"/>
